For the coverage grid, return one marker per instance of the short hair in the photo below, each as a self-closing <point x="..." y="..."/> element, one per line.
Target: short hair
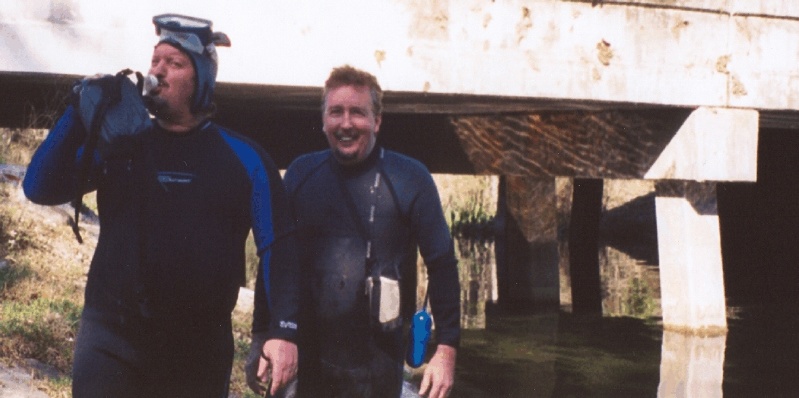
<point x="349" y="76"/>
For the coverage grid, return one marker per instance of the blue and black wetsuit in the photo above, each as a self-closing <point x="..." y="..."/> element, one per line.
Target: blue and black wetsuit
<point x="175" y="211"/>
<point x="341" y="354"/>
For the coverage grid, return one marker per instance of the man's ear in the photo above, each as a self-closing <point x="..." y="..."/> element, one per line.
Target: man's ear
<point x="378" y="120"/>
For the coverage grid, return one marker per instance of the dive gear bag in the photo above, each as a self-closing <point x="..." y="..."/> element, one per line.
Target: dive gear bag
<point x="112" y="111"/>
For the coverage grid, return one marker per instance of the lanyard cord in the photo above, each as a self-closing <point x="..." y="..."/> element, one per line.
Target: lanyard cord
<point x="372" y="209"/>
<point x="365" y="232"/>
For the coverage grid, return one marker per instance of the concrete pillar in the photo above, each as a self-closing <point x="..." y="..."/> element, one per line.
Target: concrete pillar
<point x="584" y="246"/>
<point x="527" y="260"/>
<point x="689" y="248"/>
<point x="564" y="188"/>
<point x="713" y="144"/>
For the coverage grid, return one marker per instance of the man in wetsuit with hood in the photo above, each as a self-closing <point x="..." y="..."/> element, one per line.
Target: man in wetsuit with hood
<point x="176" y="204"/>
<point x="362" y="211"/>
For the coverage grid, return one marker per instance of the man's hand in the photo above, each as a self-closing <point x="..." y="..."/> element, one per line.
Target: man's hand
<point x="439" y="375"/>
<point x="280" y="358"/>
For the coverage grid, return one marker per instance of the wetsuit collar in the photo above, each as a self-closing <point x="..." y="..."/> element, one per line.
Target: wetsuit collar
<point x="202" y="125"/>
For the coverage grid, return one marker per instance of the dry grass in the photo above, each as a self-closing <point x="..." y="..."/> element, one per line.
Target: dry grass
<point x="17" y="145"/>
<point x="41" y="286"/>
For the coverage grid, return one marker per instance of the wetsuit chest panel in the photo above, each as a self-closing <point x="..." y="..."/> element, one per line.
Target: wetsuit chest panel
<point x="333" y="247"/>
<point x="196" y="213"/>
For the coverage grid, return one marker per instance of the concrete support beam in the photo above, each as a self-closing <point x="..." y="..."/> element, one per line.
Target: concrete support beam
<point x="689" y="248"/>
<point x="713" y="144"/>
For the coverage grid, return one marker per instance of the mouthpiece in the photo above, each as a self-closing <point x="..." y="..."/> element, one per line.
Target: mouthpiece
<point x="150" y="83"/>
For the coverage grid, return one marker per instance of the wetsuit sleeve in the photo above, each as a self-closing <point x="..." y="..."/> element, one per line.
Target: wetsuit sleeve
<point x="437" y="250"/>
<point x="51" y="174"/>
<point x="277" y="286"/>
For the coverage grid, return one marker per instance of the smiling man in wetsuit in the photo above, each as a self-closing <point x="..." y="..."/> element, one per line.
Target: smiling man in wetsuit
<point x="362" y="212"/>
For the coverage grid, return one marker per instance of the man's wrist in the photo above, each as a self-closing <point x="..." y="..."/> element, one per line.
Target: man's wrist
<point x="446" y="351"/>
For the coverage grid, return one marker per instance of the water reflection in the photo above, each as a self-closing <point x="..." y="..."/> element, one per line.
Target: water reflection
<point x="625" y="353"/>
<point x="691" y="366"/>
<point x="478" y="274"/>
<point x="630" y="287"/>
<point x="559" y="355"/>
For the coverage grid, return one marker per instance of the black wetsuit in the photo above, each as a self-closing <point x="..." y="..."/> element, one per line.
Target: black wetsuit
<point x="340" y="353"/>
<point x="175" y="211"/>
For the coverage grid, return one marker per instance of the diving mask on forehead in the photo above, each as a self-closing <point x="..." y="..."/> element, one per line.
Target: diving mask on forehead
<point x="193" y="34"/>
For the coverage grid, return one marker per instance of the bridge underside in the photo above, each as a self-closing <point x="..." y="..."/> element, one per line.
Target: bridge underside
<point x="424" y="125"/>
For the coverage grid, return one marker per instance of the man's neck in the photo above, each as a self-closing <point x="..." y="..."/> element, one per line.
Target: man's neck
<point x="181" y="124"/>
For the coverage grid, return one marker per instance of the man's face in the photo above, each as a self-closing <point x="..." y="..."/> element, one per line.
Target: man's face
<point x="350" y="124"/>
<point x="176" y="84"/>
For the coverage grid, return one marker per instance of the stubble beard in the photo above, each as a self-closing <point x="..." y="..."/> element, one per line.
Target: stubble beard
<point x="156" y="105"/>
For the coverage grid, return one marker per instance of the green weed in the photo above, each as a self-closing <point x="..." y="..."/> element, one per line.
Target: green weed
<point x="42" y="329"/>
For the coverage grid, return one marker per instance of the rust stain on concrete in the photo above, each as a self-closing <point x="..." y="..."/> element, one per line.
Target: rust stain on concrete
<point x="721" y="64"/>
<point x="738" y="89"/>
<point x="604" y="52"/>
<point x="679" y="28"/>
<point x="524" y="25"/>
<point x="380" y="56"/>
<point x="429" y="19"/>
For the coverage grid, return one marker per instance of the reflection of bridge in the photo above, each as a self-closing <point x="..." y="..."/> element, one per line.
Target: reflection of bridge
<point x="531" y="90"/>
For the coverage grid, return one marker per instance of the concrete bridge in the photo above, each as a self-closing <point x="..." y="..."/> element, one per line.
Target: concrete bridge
<point x="673" y="91"/>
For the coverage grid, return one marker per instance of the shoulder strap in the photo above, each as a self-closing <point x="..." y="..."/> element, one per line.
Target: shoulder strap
<point x="89" y="146"/>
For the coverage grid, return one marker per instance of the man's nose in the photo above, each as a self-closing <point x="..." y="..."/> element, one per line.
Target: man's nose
<point x="157" y="69"/>
<point x="346" y="121"/>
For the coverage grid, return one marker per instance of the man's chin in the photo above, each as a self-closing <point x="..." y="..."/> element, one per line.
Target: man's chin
<point x="346" y="158"/>
<point x="156" y="105"/>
